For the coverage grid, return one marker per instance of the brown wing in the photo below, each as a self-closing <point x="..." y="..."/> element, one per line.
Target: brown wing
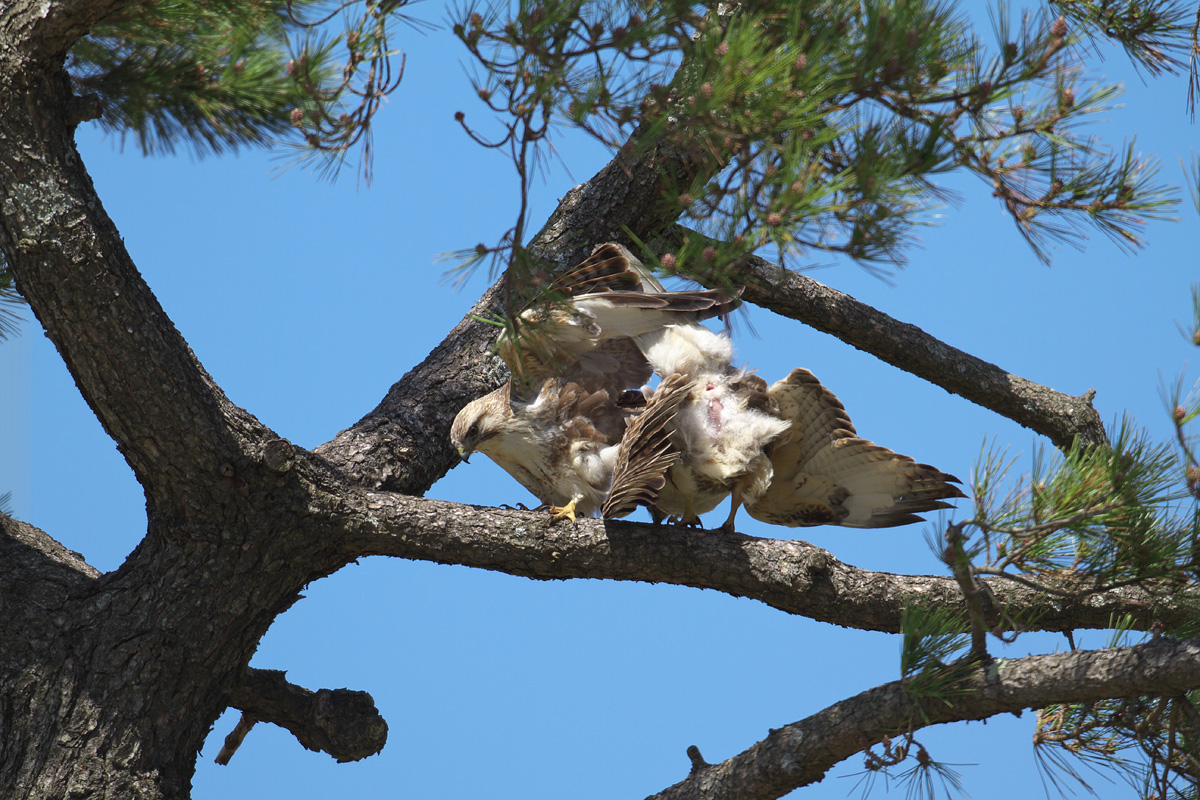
<point x="613" y="366"/>
<point x="826" y="474"/>
<point x="607" y="296"/>
<point x="581" y="414"/>
<point x="646" y="452"/>
<point x="610" y="267"/>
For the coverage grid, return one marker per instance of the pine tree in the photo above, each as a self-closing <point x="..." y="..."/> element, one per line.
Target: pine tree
<point x="746" y="138"/>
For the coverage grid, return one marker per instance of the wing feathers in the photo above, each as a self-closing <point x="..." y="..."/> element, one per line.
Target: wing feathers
<point x="646" y="452"/>
<point x="826" y="474"/>
<point x="609" y="295"/>
<point x="610" y="267"/>
<point x="788" y="452"/>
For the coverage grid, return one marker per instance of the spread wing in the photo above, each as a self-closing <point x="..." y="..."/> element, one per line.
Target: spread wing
<point x="825" y="474"/>
<point x="646" y="452"/>
<point x="572" y="357"/>
<point x="610" y="267"/>
<point x="608" y="296"/>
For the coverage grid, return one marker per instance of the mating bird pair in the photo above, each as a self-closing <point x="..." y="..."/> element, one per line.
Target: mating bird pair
<point x="577" y="427"/>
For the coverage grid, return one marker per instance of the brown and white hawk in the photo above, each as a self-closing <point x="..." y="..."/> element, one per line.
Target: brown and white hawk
<point x="788" y="453"/>
<point x="559" y="423"/>
<point x="826" y="474"/>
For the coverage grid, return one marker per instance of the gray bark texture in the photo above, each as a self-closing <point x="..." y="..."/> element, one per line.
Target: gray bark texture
<point x="109" y="683"/>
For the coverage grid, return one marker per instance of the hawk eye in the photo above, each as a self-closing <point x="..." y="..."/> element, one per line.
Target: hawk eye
<point x="473" y="431"/>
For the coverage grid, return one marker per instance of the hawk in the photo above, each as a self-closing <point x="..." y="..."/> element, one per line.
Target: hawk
<point x="722" y="431"/>
<point x="825" y="474"/>
<point x="558" y="426"/>
<point x="788" y="453"/>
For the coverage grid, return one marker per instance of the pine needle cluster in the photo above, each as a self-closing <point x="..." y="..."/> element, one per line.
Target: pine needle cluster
<point x="1085" y="521"/>
<point x="815" y="126"/>
<point x="213" y="75"/>
<point x="216" y="75"/>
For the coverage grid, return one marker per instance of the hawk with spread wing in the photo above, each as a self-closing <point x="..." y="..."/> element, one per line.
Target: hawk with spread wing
<point x="559" y="426"/>
<point x="825" y="474"/>
<point x="788" y="453"/>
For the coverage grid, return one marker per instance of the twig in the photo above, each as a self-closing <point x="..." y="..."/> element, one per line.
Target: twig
<point x="235" y="738"/>
<point x="955" y="556"/>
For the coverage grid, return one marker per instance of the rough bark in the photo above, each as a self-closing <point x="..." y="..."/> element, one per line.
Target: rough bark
<point x="341" y="722"/>
<point x="793" y="576"/>
<point x="1059" y="417"/>
<point x="801" y="753"/>
<point x="403" y="444"/>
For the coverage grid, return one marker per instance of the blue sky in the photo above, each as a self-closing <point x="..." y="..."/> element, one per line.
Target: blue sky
<point x="306" y="300"/>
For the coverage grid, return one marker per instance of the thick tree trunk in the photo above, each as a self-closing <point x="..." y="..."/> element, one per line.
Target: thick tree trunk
<point x="109" y="684"/>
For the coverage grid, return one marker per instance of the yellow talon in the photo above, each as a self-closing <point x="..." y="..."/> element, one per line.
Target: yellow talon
<point x="567" y="511"/>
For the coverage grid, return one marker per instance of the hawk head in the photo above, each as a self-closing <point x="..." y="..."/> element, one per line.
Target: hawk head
<point x="480" y="421"/>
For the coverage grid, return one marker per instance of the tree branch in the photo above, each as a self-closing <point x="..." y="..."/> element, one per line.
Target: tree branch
<point x="801" y="753"/>
<point x="1059" y="417"/>
<point x="44" y="32"/>
<point x="37" y="577"/>
<point x="792" y="576"/>
<point x="341" y="722"/>
<point x="403" y="444"/>
<point x="132" y="366"/>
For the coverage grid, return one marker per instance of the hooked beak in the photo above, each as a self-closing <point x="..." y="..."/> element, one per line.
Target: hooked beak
<point x="464" y="454"/>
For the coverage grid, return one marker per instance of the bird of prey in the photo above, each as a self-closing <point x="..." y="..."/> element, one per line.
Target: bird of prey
<point x="825" y="474"/>
<point x="610" y="295"/>
<point x="558" y="425"/>
<point x="788" y="453"/>
<point x="722" y="431"/>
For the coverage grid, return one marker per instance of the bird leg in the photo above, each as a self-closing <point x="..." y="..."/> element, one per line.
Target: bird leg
<point x="689" y="518"/>
<point x="567" y="511"/>
<point x="735" y="502"/>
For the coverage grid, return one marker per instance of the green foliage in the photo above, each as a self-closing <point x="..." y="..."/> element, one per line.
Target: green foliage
<point x="1152" y="742"/>
<point x="783" y="97"/>
<point x="330" y="125"/>
<point x="10" y="301"/>
<point x="1193" y="177"/>
<point x="216" y="75"/>
<point x="822" y="125"/>
<point x="1089" y="519"/>
<point x="923" y="778"/>
<point x="1093" y="519"/>
<point x="932" y="638"/>
<point x="1153" y="33"/>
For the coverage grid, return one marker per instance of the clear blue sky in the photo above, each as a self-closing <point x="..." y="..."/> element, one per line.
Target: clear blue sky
<point x="306" y="301"/>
